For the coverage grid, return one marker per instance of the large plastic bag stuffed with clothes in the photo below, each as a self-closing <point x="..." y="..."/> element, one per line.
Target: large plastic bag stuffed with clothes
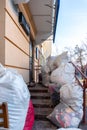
<point x="64" y="116"/>
<point x="50" y="63"/>
<point x="45" y="75"/>
<point x="65" y="73"/>
<point x="62" y="58"/>
<point x="14" y="91"/>
<point x="72" y="95"/>
<point x="45" y="79"/>
<point x="45" y="69"/>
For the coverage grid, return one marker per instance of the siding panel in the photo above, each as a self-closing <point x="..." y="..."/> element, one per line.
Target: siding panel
<point x="13" y="33"/>
<point x="14" y="15"/>
<point x="15" y="57"/>
<point x="23" y="72"/>
<point x="16" y="43"/>
<point x="2" y="31"/>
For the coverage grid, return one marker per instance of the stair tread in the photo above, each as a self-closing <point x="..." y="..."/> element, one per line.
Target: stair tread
<point x="38" y="88"/>
<point x="39" y="101"/>
<point x="40" y="94"/>
<point x="42" y="111"/>
<point x="43" y="125"/>
<point x="42" y="107"/>
<point x="42" y="103"/>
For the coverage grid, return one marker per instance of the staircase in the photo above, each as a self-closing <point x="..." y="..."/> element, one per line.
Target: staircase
<point x="42" y="107"/>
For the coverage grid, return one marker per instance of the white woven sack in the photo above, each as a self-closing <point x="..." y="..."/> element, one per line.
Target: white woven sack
<point x="45" y="69"/>
<point x="62" y="58"/>
<point x="45" y="79"/>
<point x="50" y="63"/>
<point x="65" y="73"/>
<point x="72" y="95"/>
<point x="13" y="90"/>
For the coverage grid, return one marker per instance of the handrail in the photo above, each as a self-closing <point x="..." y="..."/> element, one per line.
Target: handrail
<point x="79" y="70"/>
<point x="84" y="86"/>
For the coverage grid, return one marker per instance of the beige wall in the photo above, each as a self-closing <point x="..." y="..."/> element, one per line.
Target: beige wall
<point x="47" y="48"/>
<point x="14" y="43"/>
<point x="36" y="70"/>
<point x="14" y="46"/>
<point x="2" y="31"/>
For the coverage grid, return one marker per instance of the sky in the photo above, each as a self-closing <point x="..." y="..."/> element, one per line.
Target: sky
<point x="71" y="25"/>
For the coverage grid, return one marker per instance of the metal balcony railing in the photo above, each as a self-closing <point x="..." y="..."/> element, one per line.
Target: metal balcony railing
<point x="82" y="80"/>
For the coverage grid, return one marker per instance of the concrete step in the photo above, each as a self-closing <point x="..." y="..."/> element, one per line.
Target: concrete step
<point x="38" y="89"/>
<point x="44" y="103"/>
<point x="40" y="95"/>
<point x="42" y="107"/>
<point x="41" y="113"/>
<point x="43" y="125"/>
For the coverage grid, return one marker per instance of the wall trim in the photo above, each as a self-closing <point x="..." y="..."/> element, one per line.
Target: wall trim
<point x="16" y="46"/>
<point x="17" y="26"/>
<point x="11" y="66"/>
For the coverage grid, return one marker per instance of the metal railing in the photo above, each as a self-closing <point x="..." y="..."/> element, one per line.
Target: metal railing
<point x="83" y="84"/>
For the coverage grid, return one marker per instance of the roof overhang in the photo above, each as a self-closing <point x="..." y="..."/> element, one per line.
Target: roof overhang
<point x="45" y="15"/>
<point x="56" y="18"/>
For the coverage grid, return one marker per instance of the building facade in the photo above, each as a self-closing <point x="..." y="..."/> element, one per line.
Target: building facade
<point x="25" y="53"/>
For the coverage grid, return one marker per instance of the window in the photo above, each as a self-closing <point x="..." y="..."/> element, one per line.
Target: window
<point x="37" y="53"/>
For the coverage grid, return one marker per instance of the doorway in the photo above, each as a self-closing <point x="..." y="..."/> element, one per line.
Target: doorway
<point x="31" y="62"/>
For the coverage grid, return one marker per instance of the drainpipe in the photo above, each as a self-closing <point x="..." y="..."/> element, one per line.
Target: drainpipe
<point x="33" y="63"/>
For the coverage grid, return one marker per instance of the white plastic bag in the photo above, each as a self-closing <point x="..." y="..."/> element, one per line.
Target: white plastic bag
<point x="14" y="91"/>
<point x="62" y="58"/>
<point x="72" y="95"/>
<point x="50" y="63"/>
<point x="64" y="116"/>
<point x="45" y="79"/>
<point x="65" y="73"/>
<point x="45" y="69"/>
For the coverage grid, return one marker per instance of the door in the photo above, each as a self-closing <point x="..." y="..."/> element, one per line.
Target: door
<point x="31" y="62"/>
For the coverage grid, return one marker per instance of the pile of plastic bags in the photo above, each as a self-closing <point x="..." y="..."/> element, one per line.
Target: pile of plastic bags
<point x="60" y="72"/>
